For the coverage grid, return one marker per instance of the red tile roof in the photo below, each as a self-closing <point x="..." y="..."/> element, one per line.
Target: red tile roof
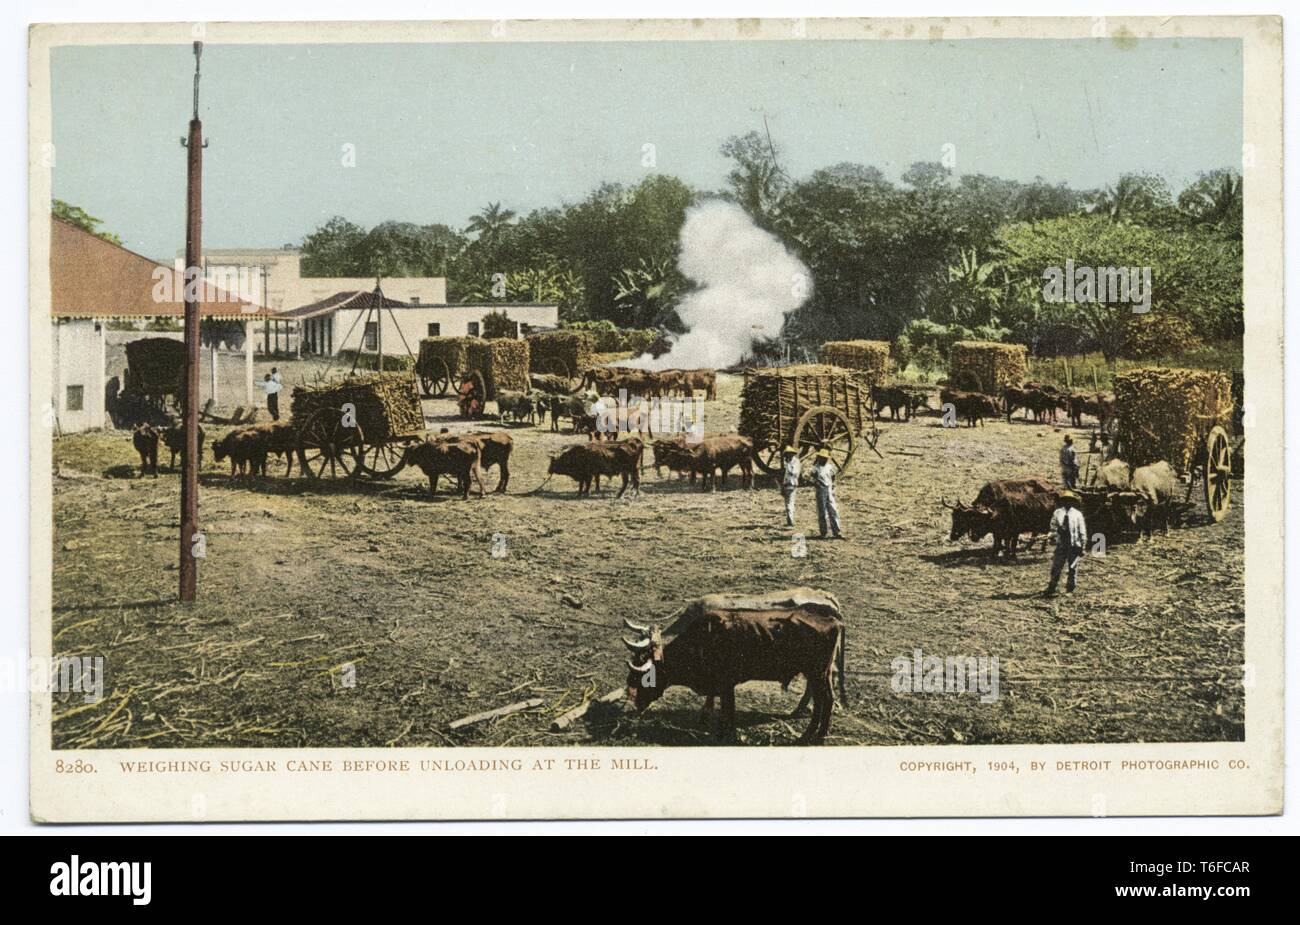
<point x="354" y="299"/>
<point x="94" y="278"/>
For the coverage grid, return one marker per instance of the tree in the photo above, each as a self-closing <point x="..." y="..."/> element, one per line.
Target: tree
<point x="1194" y="275"/>
<point x="497" y="324"/>
<point x="1214" y="201"/>
<point x="755" y="180"/>
<point x="83" y="220"/>
<point x="334" y="249"/>
<point x="491" y="223"/>
<point x="1141" y="197"/>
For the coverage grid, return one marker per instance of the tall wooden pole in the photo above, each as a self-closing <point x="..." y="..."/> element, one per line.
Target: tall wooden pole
<point x="189" y="566"/>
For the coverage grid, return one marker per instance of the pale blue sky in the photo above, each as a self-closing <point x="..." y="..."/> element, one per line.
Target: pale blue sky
<point x="441" y="130"/>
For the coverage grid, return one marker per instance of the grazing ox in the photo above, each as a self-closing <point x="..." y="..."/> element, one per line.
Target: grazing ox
<point x="587" y="462"/>
<point x="144" y="437"/>
<point x="1006" y="508"/>
<point x="457" y="458"/>
<point x="174" y="439"/>
<point x="494" y="450"/>
<point x="712" y="455"/>
<point x="670" y="452"/>
<point x="971" y="407"/>
<point x="281" y="440"/>
<point x="720" y="641"/>
<point x="247" y="449"/>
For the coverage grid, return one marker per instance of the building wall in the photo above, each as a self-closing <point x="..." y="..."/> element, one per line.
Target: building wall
<point x="79" y="355"/>
<point x="274" y="279"/>
<point x="452" y="321"/>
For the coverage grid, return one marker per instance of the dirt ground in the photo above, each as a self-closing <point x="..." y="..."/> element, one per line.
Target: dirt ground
<point x="353" y="613"/>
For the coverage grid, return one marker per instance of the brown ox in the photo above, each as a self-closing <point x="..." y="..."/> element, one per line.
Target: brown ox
<point x="700" y="380"/>
<point x="971" y="407"/>
<point x="145" y="439"/>
<point x="174" y="439"/>
<point x="247" y="449"/>
<point x="1006" y="508"/>
<point x="457" y="458"/>
<point x="281" y="440"/>
<point x="711" y="455"/>
<point x="716" y="645"/>
<point x="587" y="462"/>
<point x="494" y="450"/>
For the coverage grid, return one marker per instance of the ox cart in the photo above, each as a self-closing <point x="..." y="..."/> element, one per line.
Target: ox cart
<point x="359" y="427"/>
<point x="155" y="371"/>
<point x="808" y="407"/>
<point x="1183" y="417"/>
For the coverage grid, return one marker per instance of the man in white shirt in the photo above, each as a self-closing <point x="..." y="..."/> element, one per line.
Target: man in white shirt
<point x="272" y="385"/>
<point x="1071" y="536"/>
<point x="791" y="469"/>
<point x="823" y="479"/>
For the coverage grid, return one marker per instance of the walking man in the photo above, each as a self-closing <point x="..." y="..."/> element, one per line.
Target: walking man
<point x="1071" y="535"/>
<point x="791" y="469"/>
<point x="823" y="476"/>
<point x="272" y="386"/>
<point x="1069" y="463"/>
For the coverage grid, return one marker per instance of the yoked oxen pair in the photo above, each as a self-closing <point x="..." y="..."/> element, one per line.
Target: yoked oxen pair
<point x="453" y="455"/>
<point x="1148" y="493"/>
<point x="1006" y="508"/>
<point x="971" y="407"/>
<point x="720" y="641"/>
<point x="494" y="450"/>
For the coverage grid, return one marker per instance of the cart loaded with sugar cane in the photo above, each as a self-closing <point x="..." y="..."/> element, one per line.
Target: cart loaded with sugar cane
<point x="488" y="364"/>
<point x="808" y="407"/>
<point x="155" y="371"/>
<point x="359" y="426"/>
<point x="1181" y="416"/>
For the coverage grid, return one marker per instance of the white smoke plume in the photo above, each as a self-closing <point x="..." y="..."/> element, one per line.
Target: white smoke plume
<point x="748" y="282"/>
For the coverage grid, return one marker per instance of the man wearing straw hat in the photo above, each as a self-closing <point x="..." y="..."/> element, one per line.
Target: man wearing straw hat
<point x="791" y="469"/>
<point x="823" y="478"/>
<point x="1071" y="535"/>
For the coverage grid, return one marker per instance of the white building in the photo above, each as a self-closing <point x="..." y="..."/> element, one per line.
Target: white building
<point x="96" y="285"/>
<point x="368" y="320"/>
<point x="273" y="277"/>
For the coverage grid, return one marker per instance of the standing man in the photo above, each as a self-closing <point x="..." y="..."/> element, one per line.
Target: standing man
<point x="272" y="386"/>
<point x="823" y="476"/>
<point x="791" y="469"/>
<point x="1071" y="535"/>
<point x="1069" y="463"/>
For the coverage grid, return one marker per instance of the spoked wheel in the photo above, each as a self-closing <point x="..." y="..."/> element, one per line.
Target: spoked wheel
<point x="1217" y="473"/>
<point x="381" y="461"/>
<point x="768" y="458"/>
<point x="435" y="378"/>
<point x="557" y="367"/>
<point x="326" y="446"/>
<point x="825" y="427"/>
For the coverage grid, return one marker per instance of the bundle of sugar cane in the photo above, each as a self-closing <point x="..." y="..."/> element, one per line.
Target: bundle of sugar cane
<point x="987" y="366"/>
<point x="575" y="349"/>
<point x="503" y="362"/>
<point x="773" y="398"/>
<point x="1165" y="413"/>
<point x="866" y="356"/>
<point x="385" y="404"/>
<point x="435" y="351"/>
<point x="157" y="365"/>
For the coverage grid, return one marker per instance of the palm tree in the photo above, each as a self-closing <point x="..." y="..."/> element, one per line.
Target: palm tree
<point x="491" y="223"/>
<point x="1215" y="202"/>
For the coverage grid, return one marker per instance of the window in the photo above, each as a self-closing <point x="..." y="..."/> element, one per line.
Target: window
<point x="372" y="336"/>
<point x="76" y="397"/>
<point x="435" y="329"/>
<point x="472" y="328"/>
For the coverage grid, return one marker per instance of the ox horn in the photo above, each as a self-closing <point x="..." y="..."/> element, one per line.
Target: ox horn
<point x="944" y="502"/>
<point x="636" y="627"/>
<point x="640" y="668"/>
<point x="636" y="645"/>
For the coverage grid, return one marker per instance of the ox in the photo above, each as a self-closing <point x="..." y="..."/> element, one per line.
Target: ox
<point x="587" y="462"/>
<point x="716" y="645"/>
<point x="455" y="457"/>
<point x="1006" y="508"/>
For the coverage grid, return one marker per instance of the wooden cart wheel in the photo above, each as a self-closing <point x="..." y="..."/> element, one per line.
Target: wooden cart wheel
<point x="324" y="443"/>
<point x="557" y="367"/>
<point x="381" y="461"/>
<point x="1217" y="473"/>
<point x="827" y="427"/>
<point x="435" y="379"/>
<point x="768" y="457"/>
